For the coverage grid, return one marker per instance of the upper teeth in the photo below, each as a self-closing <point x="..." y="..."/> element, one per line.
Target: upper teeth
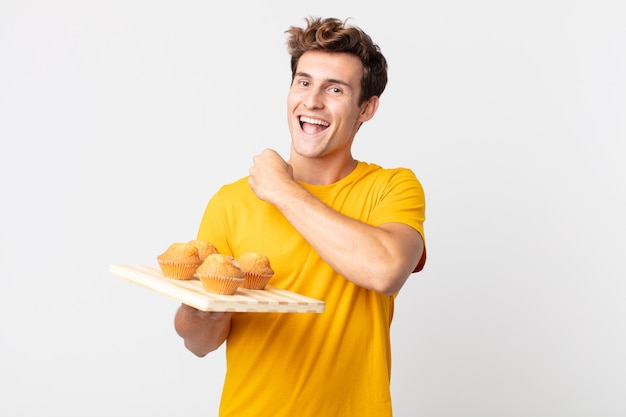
<point x="314" y="121"/>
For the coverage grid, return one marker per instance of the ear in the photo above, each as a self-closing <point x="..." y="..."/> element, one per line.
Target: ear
<point x="368" y="109"/>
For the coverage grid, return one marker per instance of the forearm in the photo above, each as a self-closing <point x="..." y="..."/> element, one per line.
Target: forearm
<point x="202" y="332"/>
<point x="377" y="258"/>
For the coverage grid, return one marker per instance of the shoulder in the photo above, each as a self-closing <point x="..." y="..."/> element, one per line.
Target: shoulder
<point x="231" y="195"/>
<point x="238" y="187"/>
<point x="389" y="176"/>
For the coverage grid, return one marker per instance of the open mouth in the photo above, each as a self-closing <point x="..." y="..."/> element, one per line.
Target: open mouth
<point x="312" y="126"/>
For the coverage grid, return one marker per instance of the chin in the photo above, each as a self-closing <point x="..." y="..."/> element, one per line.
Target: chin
<point x="306" y="151"/>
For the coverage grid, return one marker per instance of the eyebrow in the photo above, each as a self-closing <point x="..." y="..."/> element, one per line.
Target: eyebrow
<point x="328" y="80"/>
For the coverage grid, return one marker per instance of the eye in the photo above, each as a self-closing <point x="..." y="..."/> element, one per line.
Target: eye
<point x="335" y="90"/>
<point x="303" y="83"/>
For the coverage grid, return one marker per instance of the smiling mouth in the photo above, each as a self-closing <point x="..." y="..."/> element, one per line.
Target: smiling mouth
<point x="312" y="126"/>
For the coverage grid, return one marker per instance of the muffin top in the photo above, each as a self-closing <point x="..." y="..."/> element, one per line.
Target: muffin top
<point x="204" y="248"/>
<point x="255" y="263"/>
<point x="180" y="252"/>
<point x="217" y="264"/>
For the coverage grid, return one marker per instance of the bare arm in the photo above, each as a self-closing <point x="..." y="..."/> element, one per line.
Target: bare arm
<point x="378" y="258"/>
<point x="202" y="331"/>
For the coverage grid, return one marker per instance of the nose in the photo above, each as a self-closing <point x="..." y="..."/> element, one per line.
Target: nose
<point x="312" y="99"/>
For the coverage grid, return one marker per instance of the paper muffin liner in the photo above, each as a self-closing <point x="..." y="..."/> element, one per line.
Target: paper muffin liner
<point x="256" y="281"/>
<point x="178" y="271"/>
<point x="220" y="285"/>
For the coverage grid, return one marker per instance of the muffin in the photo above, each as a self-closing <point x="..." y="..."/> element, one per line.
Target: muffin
<point x="204" y="248"/>
<point x="179" y="261"/>
<point x="257" y="270"/>
<point x="220" y="274"/>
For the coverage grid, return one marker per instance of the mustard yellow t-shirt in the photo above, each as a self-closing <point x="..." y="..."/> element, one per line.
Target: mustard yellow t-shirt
<point x="331" y="364"/>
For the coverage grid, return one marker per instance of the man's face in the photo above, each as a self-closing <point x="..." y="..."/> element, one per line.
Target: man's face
<point x="322" y="105"/>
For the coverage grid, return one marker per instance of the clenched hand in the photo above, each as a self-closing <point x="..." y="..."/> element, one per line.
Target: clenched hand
<point x="270" y="176"/>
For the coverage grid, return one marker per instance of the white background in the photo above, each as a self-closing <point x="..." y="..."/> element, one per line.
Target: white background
<point x="119" y="120"/>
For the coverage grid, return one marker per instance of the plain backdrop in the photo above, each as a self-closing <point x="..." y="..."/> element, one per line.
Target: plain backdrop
<point x="119" y="120"/>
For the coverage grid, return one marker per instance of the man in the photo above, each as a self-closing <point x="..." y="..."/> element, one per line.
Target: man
<point x="334" y="228"/>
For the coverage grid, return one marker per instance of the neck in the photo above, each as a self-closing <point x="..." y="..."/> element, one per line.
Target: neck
<point x="321" y="171"/>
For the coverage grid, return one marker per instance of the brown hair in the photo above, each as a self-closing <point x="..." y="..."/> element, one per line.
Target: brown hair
<point x="334" y="35"/>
